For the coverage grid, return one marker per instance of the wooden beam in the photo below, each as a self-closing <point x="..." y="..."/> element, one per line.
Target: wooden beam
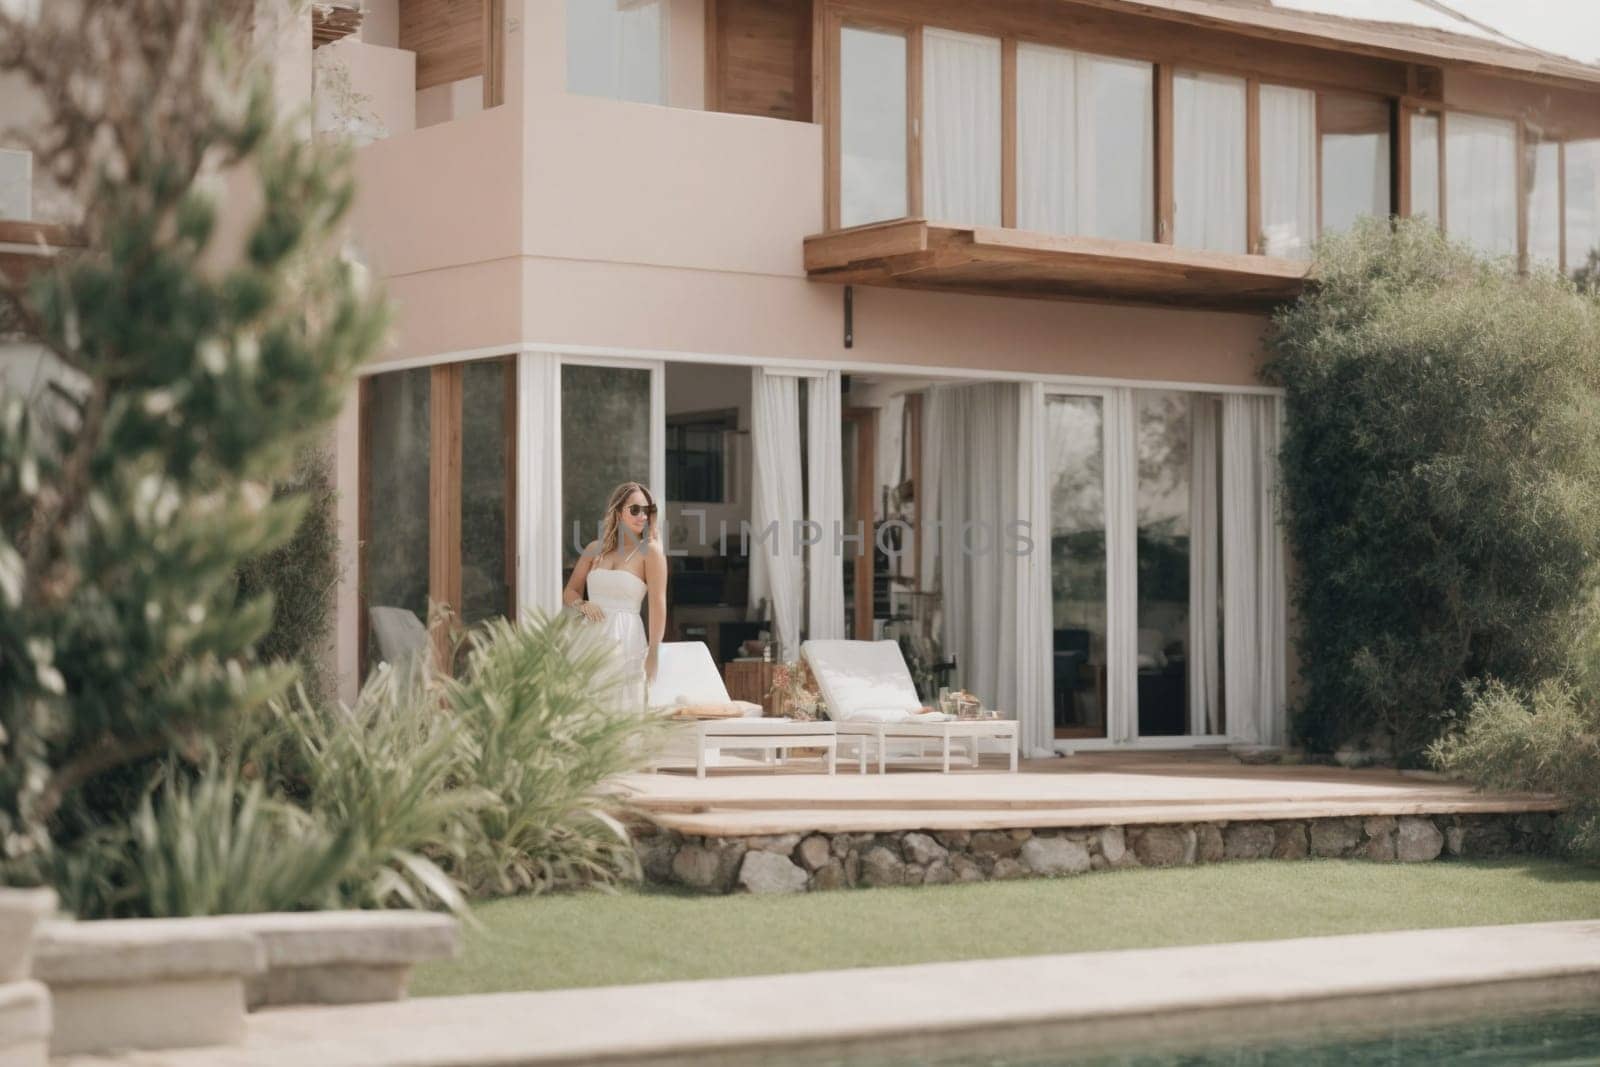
<point x="914" y="122"/>
<point x="444" y="500"/>
<point x="714" y="59"/>
<point x="1252" y="165"/>
<point x="866" y="423"/>
<point x="494" y="53"/>
<point x="832" y="151"/>
<point x="873" y="241"/>
<point x="1166" y="195"/>
<point x="1402" y="161"/>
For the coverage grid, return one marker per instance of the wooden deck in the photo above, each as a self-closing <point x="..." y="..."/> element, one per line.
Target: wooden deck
<point x="1088" y="789"/>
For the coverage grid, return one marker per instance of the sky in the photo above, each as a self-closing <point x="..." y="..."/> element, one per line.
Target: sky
<point x="1566" y="27"/>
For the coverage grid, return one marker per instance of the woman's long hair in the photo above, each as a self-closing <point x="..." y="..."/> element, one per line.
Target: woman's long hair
<point x="611" y="531"/>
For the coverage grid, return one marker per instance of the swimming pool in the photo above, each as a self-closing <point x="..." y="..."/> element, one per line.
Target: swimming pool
<point x="1567" y="1037"/>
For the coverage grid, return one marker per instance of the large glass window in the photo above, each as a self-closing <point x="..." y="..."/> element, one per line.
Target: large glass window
<point x="1583" y="202"/>
<point x="1209" y="188"/>
<point x="1179" y="563"/>
<point x="488" y="462"/>
<point x="1355" y="159"/>
<point x="1544" y="204"/>
<point x="1075" y="429"/>
<point x="1288" y="171"/>
<point x="605" y="441"/>
<point x="872" y="126"/>
<point x="1425" y="164"/>
<point x="1481" y="182"/>
<point x="961" y="128"/>
<point x="617" y="49"/>
<point x="398" y="428"/>
<point x="1084" y="144"/>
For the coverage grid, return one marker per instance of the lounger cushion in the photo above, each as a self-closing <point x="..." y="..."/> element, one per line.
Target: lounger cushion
<point x="863" y="681"/>
<point x="685" y="675"/>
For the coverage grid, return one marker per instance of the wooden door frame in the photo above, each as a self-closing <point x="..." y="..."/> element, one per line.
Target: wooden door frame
<point x="865" y="421"/>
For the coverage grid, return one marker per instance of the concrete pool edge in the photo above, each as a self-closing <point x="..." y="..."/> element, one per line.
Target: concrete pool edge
<point x="1081" y="1000"/>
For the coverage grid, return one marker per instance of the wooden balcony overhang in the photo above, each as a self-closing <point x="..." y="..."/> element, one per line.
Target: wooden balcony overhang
<point x="916" y="254"/>
<point x="27" y="246"/>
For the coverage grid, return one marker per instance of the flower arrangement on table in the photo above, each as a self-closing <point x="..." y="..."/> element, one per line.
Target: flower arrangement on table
<point x="794" y="692"/>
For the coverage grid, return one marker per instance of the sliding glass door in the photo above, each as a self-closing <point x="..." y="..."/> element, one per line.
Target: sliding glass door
<point x="1135" y="488"/>
<point x="1075" y="453"/>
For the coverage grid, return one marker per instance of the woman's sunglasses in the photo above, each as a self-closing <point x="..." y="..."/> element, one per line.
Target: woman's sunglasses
<point x="648" y="510"/>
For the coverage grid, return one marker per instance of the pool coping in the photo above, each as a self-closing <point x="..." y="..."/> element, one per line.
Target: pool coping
<point x="1081" y="999"/>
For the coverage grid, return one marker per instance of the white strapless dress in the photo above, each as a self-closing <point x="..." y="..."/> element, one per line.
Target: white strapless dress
<point x="619" y="594"/>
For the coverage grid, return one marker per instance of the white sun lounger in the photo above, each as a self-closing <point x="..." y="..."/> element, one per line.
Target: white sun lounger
<point x="873" y="703"/>
<point x="686" y="676"/>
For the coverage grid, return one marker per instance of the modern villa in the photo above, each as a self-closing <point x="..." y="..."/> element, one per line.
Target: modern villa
<point x="932" y="320"/>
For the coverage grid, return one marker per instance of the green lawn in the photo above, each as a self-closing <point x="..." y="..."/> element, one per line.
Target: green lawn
<point x="590" y="939"/>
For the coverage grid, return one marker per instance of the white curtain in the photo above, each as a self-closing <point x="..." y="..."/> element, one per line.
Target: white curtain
<point x="891" y="438"/>
<point x="1122" y="566"/>
<point x="1544" y="204"/>
<point x="934" y="422"/>
<point x="539" y="482"/>
<point x="1205" y="563"/>
<point x="1034" y="702"/>
<point x="1583" y="201"/>
<point x="978" y="495"/>
<point x="1481" y="182"/>
<point x="1425" y="164"/>
<point x="1047" y="139"/>
<point x="1253" y="608"/>
<point x="1084" y="144"/>
<point x="961" y="128"/>
<point x="825" y="507"/>
<point x="1208" y="168"/>
<point x="1288" y="171"/>
<point x="776" y="570"/>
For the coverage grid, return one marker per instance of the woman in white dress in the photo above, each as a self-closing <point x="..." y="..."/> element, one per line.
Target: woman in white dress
<point x="614" y="575"/>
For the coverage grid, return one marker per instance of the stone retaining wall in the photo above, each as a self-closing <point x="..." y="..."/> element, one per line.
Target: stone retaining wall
<point x="794" y="863"/>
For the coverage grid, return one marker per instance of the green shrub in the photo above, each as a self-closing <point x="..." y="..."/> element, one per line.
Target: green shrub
<point x="496" y="782"/>
<point x="200" y="359"/>
<point x="1544" y="741"/>
<point x="545" y="724"/>
<point x="1441" y="470"/>
<point x="301" y="575"/>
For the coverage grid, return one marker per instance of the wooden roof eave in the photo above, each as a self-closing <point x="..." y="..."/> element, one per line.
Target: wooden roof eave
<point x="1382" y="40"/>
<point x="913" y="253"/>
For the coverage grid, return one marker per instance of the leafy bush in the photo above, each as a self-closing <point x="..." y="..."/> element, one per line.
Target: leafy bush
<point x="1544" y="741"/>
<point x="495" y="782"/>
<point x="196" y="367"/>
<point x="1441" y="472"/>
<point x="301" y="575"/>
<point x="545" y="724"/>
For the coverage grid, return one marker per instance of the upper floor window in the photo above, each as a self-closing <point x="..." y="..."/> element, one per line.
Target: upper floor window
<point x="1208" y="162"/>
<point x="872" y="126"/>
<point x="961" y="128"/>
<point x="617" y="49"/>
<point x="1084" y="144"/>
<point x="1354" y="141"/>
<point x="1288" y="139"/>
<point x="1480" y="186"/>
<point x="1581" y="173"/>
<point x="1543" y="170"/>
